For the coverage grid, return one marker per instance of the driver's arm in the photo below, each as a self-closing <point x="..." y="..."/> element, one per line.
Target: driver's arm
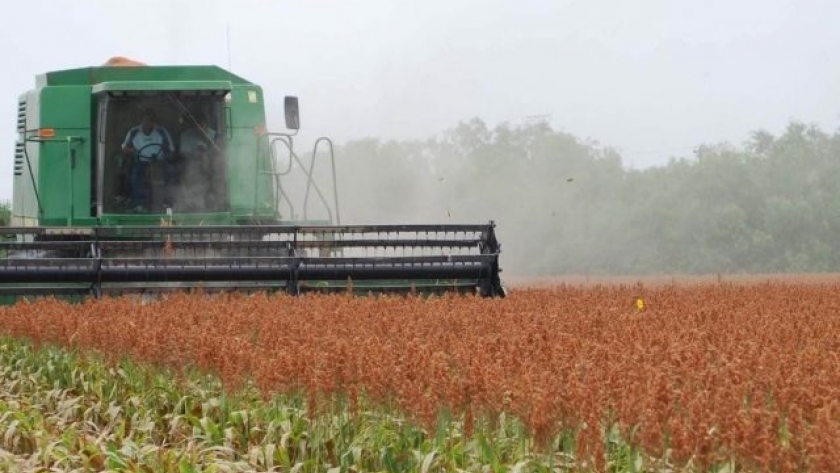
<point x="127" y="145"/>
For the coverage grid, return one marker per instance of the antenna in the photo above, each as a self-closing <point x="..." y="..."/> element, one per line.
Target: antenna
<point x="227" y="38"/>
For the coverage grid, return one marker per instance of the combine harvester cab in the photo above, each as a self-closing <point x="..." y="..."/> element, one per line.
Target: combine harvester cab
<point x="212" y="206"/>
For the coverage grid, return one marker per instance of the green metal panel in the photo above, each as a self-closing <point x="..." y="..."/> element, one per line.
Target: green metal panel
<point x="251" y="194"/>
<point x="248" y="106"/>
<point x="159" y="86"/>
<point x="66" y="158"/>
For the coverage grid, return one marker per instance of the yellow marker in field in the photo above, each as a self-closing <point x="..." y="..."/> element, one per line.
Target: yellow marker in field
<point x="640" y="304"/>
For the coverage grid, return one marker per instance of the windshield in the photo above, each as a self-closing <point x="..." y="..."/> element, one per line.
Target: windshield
<point x="162" y="151"/>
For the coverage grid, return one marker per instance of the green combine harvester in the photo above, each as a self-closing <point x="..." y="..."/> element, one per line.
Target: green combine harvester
<point x="208" y="205"/>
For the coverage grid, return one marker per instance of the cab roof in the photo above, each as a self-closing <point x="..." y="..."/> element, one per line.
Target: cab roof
<point x="98" y="75"/>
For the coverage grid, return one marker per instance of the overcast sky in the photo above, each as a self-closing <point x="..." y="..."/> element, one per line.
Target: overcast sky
<point x="653" y="78"/>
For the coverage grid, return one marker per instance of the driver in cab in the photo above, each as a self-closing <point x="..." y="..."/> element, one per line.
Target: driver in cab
<point x="146" y="142"/>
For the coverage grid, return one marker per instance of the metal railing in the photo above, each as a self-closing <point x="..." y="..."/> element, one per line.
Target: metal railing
<point x="294" y="160"/>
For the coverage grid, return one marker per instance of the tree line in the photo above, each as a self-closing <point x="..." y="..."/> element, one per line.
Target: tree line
<point x="564" y="205"/>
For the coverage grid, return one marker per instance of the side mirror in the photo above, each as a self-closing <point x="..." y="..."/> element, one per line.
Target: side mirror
<point x="290" y="106"/>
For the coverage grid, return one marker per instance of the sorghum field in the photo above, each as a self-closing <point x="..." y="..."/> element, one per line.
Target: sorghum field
<point x="703" y="377"/>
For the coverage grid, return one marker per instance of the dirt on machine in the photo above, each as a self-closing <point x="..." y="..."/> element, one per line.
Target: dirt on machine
<point x="138" y="179"/>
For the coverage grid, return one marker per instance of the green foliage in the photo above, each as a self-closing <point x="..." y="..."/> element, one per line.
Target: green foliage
<point x="5" y="213"/>
<point x="565" y="205"/>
